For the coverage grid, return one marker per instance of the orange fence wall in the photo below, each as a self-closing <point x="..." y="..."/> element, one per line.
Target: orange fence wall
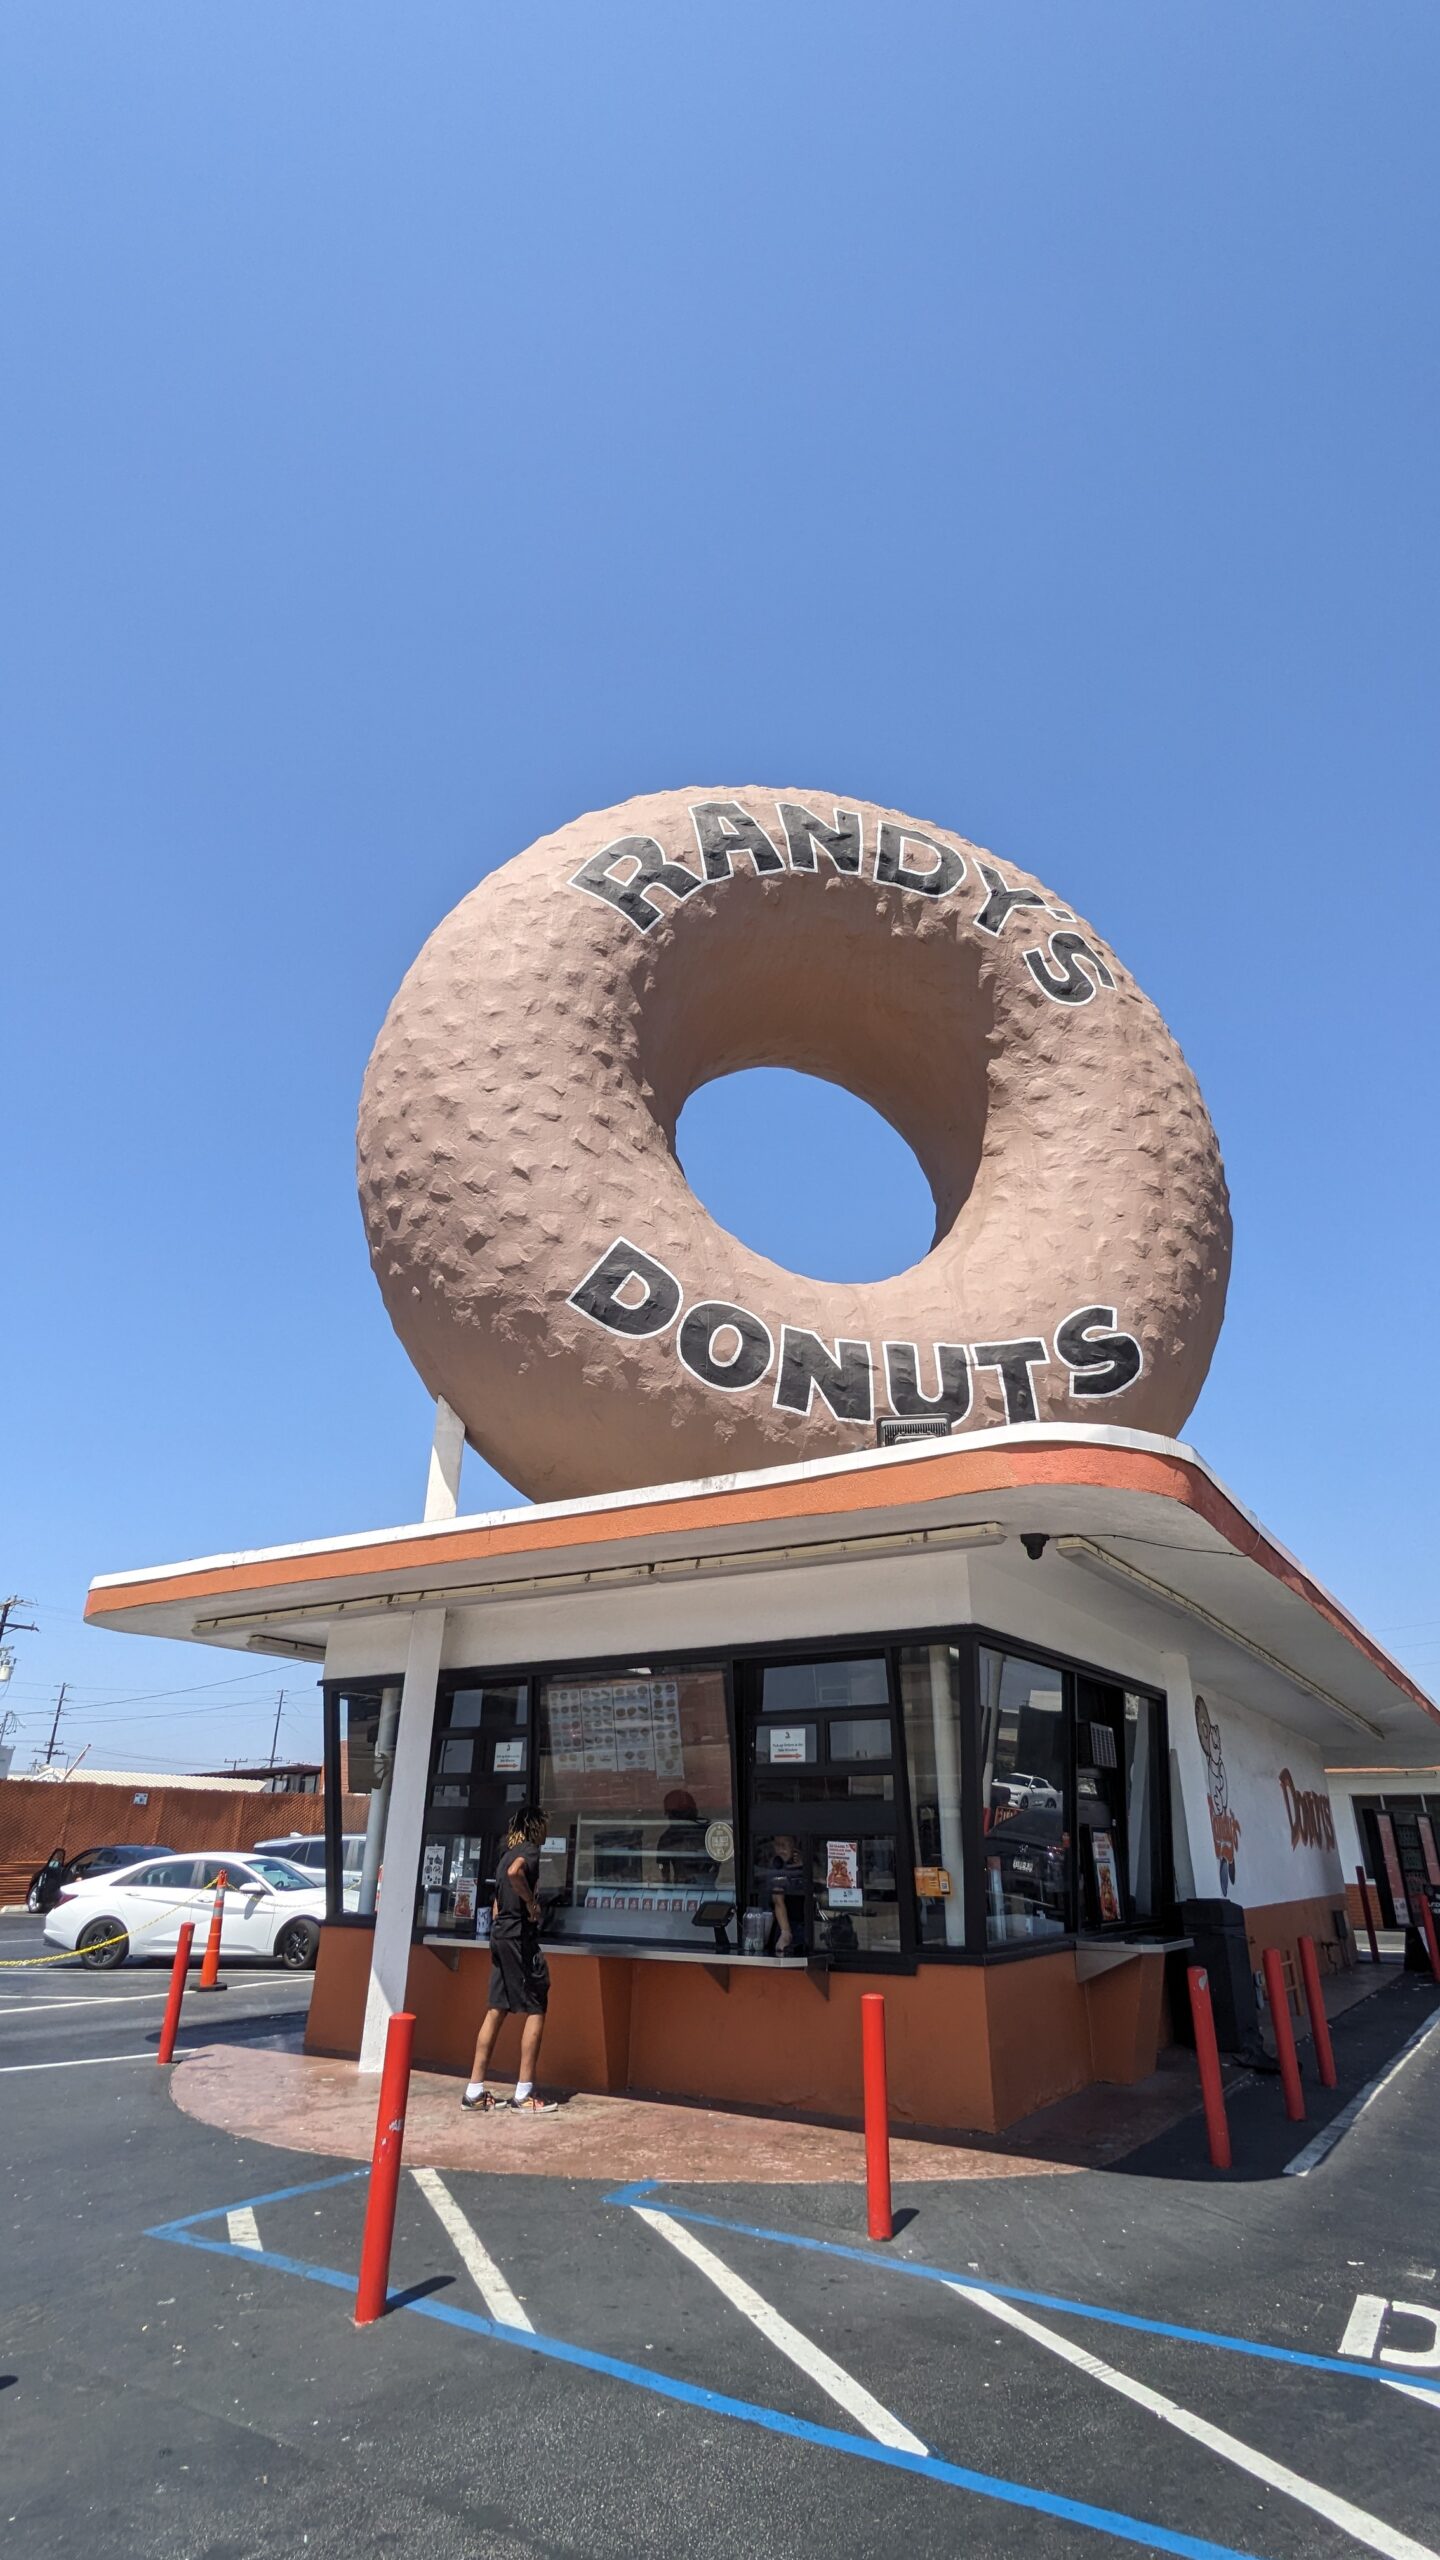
<point x="41" y="1814"/>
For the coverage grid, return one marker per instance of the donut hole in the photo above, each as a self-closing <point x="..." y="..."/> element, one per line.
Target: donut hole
<point x="806" y="1174"/>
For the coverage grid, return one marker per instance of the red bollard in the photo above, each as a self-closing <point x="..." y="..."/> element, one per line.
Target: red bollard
<point x="1207" y="2054"/>
<point x="880" y="2220"/>
<point x="1369" y="1923"/>
<point x="177" y="1992"/>
<point x="1427" y="1923"/>
<point x="385" y="2170"/>
<point x="1319" y="2023"/>
<point x="1284" y="2039"/>
<point x="210" y="1964"/>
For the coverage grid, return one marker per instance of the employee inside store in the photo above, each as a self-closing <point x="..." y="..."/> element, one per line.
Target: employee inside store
<point x="683" y="1856"/>
<point x="784" y="1884"/>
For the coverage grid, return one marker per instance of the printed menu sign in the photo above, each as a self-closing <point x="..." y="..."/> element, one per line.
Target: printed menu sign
<point x="1107" y="1876"/>
<point x="842" y="1875"/>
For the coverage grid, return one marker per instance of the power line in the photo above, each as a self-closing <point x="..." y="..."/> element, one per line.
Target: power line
<point x="55" y="1728"/>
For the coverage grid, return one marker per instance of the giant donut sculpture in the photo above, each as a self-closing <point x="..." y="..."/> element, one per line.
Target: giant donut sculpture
<point x="553" y="1276"/>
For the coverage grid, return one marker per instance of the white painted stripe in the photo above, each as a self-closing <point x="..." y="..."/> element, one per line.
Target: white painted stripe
<point x="1368" y="2530"/>
<point x="489" y="2283"/>
<point x="842" y="2388"/>
<point x="80" y="2000"/>
<point x="84" y="2062"/>
<point x="1326" y="2139"/>
<point x="1362" y="2329"/>
<point x="243" y="2228"/>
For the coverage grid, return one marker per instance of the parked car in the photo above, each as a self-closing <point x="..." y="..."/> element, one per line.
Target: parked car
<point x="272" y="1910"/>
<point x="1021" y="1789"/>
<point x="307" y="1849"/>
<point x="59" y="1870"/>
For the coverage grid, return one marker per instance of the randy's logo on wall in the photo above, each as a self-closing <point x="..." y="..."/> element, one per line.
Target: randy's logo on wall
<point x="1312" y="1823"/>
<point x="1224" y="1825"/>
<point x="629" y="873"/>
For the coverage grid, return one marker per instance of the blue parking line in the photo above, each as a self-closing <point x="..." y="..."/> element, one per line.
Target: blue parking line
<point x="646" y="2191"/>
<point x="278" y="2195"/>
<point x="665" y="2386"/>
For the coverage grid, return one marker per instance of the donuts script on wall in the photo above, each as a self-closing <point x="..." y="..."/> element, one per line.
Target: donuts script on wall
<point x="552" y="1275"/>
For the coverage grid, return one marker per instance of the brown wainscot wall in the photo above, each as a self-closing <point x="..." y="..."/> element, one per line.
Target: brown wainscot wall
<point x="1282" y="1924"/>
<point x="970" y="2047"/>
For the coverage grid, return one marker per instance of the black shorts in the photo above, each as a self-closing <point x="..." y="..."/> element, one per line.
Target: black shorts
<point x="519" y="1974"/>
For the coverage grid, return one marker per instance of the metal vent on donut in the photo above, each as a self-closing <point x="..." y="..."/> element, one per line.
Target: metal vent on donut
<point x="888" y="1431"/>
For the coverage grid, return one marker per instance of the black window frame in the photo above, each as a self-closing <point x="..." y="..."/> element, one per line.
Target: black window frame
<point x="733" y="1660"/>
<point x="332" y="1692"/>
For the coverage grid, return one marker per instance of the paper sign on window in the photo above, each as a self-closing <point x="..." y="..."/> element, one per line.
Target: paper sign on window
<point x="787" y="1742"/>
<point x="842" y="1874"/>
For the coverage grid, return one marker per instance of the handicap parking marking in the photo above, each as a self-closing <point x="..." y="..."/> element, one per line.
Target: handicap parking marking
<point x="1370" y="2531"/>
<point x="646" y="2192"/>
<point x="190" y="2232"/>
<point x="810" y="2359"/>
<point x="1365" y="2327"/>
<point x="491" y="2285"/>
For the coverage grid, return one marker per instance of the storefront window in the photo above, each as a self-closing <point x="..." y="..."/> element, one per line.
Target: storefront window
<point x="1023" y="1758"/>
<point x="930" y="1697"/>
<point x="360" y="1730"/>
<point x="798" y="1688"/>
<point x="634" y="1776"/>
<point x="813" y="1894"/>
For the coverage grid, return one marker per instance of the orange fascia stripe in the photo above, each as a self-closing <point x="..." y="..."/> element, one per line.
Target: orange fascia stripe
<point x="951" y="1472"/>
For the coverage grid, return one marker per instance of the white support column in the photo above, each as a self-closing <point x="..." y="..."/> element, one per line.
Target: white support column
<point x="404" y="1832"/>
<point x="442" y="1488"/>
<point x="1184" y="1758"/>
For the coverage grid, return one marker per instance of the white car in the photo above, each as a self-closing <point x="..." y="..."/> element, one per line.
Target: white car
<point x="307" y="1849"/>
<point x="272" y="1910"/>
<point x="1024" y="1791"/>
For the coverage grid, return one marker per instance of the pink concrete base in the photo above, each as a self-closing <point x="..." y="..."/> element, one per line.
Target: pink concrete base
<point x="302" y="2103"/>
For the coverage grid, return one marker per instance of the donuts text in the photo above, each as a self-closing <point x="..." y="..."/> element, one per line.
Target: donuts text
<point x="629" y="873"/>
<point x="729" y="1348"/>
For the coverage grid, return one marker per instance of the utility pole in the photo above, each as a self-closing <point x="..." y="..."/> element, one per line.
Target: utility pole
<point x="15" y="1602"/>
<point x="275" y="1736"/>
<point x="55" y="1727"/>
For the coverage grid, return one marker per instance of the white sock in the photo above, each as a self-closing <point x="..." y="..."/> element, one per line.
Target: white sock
<point x="523" y="2089"/>
<point x="476" y="2089"/>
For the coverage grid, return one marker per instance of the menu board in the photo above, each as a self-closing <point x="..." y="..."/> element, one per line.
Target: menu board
<point x="616" y="1725"/>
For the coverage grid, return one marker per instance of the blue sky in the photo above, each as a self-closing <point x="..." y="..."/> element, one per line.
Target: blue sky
<point x="423" y="423"/>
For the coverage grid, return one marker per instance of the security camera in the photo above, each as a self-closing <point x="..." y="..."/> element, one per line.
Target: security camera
<point x="1034" y="1542"/>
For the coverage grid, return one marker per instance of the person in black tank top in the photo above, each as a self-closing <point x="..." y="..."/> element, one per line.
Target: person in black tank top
<point x="519" y="1975"/>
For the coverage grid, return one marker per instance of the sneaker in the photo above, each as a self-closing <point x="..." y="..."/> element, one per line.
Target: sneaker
<point x="533" y="2106"/>
<point x="486" y="2104"/>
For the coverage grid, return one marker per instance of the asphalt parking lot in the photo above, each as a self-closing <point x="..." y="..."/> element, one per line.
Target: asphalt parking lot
<point x="1146" y="2358"/>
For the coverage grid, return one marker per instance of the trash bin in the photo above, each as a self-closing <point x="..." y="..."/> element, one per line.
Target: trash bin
<point x="1221" y="1944"/>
